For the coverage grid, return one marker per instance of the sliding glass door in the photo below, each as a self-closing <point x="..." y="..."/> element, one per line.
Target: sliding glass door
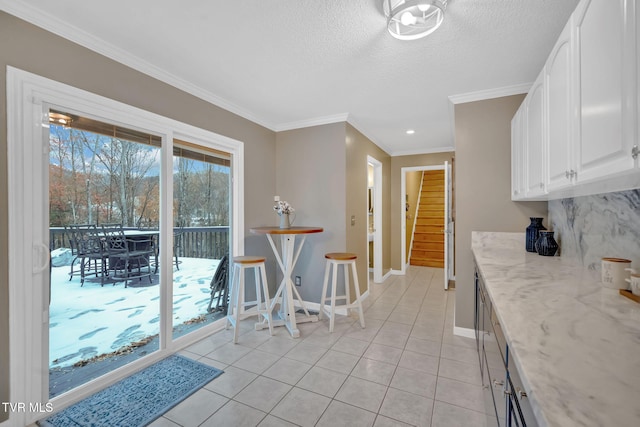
<point x="84" y="312"/>
<point x="101" y="316"/>
<point x="201" y="214"/>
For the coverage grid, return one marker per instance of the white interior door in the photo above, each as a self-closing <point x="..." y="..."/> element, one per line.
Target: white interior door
<point x="448" y="227"/>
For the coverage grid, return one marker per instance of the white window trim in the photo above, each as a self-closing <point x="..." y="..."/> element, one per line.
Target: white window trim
<point x="28" y="98"/>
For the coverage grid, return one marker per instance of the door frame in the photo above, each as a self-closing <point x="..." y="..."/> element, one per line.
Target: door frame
<point x="28" y="98"/>
<point x="377" y="221"/>
<point x="403" y="217"/>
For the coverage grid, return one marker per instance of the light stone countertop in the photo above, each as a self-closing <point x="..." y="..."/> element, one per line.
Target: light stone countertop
<point x="576" y="343"/>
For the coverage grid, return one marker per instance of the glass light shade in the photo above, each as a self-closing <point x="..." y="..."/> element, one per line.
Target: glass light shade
<point x="413" y="19"/>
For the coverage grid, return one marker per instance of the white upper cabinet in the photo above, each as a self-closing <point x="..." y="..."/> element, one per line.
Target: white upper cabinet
<point x="582" y="117"/>
<point x="560" y="107"/>
<point x="534" y="107"/>
<point x="604" y="56"/>
<point x="518" y="134"/>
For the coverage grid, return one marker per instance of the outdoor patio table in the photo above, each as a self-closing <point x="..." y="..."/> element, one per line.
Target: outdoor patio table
<point x="287" y="261"/>
<point x="138" y="237"/>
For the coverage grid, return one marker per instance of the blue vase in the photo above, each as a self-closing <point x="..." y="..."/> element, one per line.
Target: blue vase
<point x="546" y="245"/>
<point x="533" y="233"/>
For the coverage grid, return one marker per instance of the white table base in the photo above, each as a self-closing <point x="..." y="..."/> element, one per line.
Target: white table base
<point x="286" y="315"/>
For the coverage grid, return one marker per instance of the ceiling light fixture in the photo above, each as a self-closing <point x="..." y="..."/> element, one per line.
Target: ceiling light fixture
<point x="413" y="19"/>
<point x="59" y="118"/>
<point x="410" y="132"/>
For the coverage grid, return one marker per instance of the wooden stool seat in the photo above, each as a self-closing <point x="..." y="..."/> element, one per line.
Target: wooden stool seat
<point x="237" y="300"/>
<point x="248" y="259"/>
<point x="341" y="256"/>
<point x="334" y="260"/>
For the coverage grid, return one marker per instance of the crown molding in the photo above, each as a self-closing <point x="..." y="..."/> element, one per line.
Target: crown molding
<point x="317" y="121"/>
<point x="490" y="93"/>
<point x="354" y="123"/>
<point x="427" y="151"/>
<point x="74" y="34"/>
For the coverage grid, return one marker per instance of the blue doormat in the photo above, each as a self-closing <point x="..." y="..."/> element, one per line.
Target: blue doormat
<point x="139" y="399"/>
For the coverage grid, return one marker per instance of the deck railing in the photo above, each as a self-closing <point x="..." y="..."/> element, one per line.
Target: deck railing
<point x="191" y="242"/>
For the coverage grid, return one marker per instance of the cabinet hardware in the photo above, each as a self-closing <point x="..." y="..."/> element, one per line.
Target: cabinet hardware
<point x="635" y="151"/>
<point x="521" y="393"/>
<point x="542" y="186"/>
<point x="498" y="383"/>
<point x="567" y="174"/>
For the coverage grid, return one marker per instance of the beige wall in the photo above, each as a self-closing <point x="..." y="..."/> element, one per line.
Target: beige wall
<point x="397" y="199"/>
<point x="32" y="49"/>
<point x="358" y="147"/>
<point x="322" y="172"/>
<point x="483" y="187"/>
<point x="310" y="174"/>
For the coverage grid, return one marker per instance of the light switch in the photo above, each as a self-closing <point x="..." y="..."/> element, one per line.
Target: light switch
<point x="353" y="220"/>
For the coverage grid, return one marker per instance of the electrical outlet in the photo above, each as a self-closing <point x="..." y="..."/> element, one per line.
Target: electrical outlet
<point x="298" y="281"/>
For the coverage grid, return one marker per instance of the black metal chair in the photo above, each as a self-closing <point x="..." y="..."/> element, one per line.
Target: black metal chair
<point x="220" y="286"/>
<point x="177" y="245"/>
<point x="88" y="247"/>
<point x="128" y="258"/>
<point x="71" y="236"/>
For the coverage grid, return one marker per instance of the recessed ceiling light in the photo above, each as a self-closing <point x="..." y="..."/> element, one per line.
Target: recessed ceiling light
<point x="410" y="132"/>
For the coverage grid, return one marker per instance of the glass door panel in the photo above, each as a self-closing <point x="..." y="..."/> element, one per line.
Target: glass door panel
<point x="201" y="213"/>
<point x="104" y="309"/>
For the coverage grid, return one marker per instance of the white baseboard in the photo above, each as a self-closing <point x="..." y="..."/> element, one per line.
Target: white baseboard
<point x="464" y="332"/>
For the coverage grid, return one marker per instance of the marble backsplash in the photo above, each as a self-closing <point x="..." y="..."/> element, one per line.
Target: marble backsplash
<point x="591" y="227"/>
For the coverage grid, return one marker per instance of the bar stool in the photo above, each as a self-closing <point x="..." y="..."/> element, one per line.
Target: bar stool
<point x="334" y="260"/>
<point x="236" y="300"/>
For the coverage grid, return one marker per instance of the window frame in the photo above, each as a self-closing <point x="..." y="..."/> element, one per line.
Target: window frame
<point x="29" y="98"/>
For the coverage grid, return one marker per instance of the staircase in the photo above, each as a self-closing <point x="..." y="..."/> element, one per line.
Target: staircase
<point x="428" y="236"/>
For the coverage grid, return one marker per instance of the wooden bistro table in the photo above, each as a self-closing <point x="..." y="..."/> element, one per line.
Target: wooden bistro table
<point x="286" y="316"/>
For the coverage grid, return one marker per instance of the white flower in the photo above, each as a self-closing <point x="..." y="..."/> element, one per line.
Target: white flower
<point x="283" y="207"/>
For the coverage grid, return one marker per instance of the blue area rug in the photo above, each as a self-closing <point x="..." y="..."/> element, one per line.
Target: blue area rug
<point x="139" y="399"/>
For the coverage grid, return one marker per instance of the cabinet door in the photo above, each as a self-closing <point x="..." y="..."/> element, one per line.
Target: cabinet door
<point x="517" y="154"/>
<point x="559" y="102"/>
<point x="491" y="412"/>
<point x="535" y="139"/>
<point x="605" y="121"/>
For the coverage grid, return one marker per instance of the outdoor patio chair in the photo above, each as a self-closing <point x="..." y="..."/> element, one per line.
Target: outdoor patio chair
<point x="128" y="258"/>
<point x="177" y="245"/>
<point x="88" y="248"/>
<point x="220" y="286"/>
<point x="70" y="235"/>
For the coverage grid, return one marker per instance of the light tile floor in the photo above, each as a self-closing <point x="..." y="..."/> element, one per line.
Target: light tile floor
<point x="405" y="368"/>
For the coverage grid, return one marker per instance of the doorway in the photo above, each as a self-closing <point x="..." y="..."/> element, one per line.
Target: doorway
<point x="32" y="209"/>
<point x="445" y="229"/>
<point x="374" y="217"/>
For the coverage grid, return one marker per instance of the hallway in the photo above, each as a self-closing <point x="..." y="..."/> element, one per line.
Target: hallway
<point x="405" y="368"/>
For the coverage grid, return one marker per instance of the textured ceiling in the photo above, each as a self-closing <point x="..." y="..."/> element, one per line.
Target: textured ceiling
<point x="294" y="63"/>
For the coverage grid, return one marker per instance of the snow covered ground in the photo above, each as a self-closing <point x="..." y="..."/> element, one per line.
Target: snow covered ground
<point x="92" y="320"/>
